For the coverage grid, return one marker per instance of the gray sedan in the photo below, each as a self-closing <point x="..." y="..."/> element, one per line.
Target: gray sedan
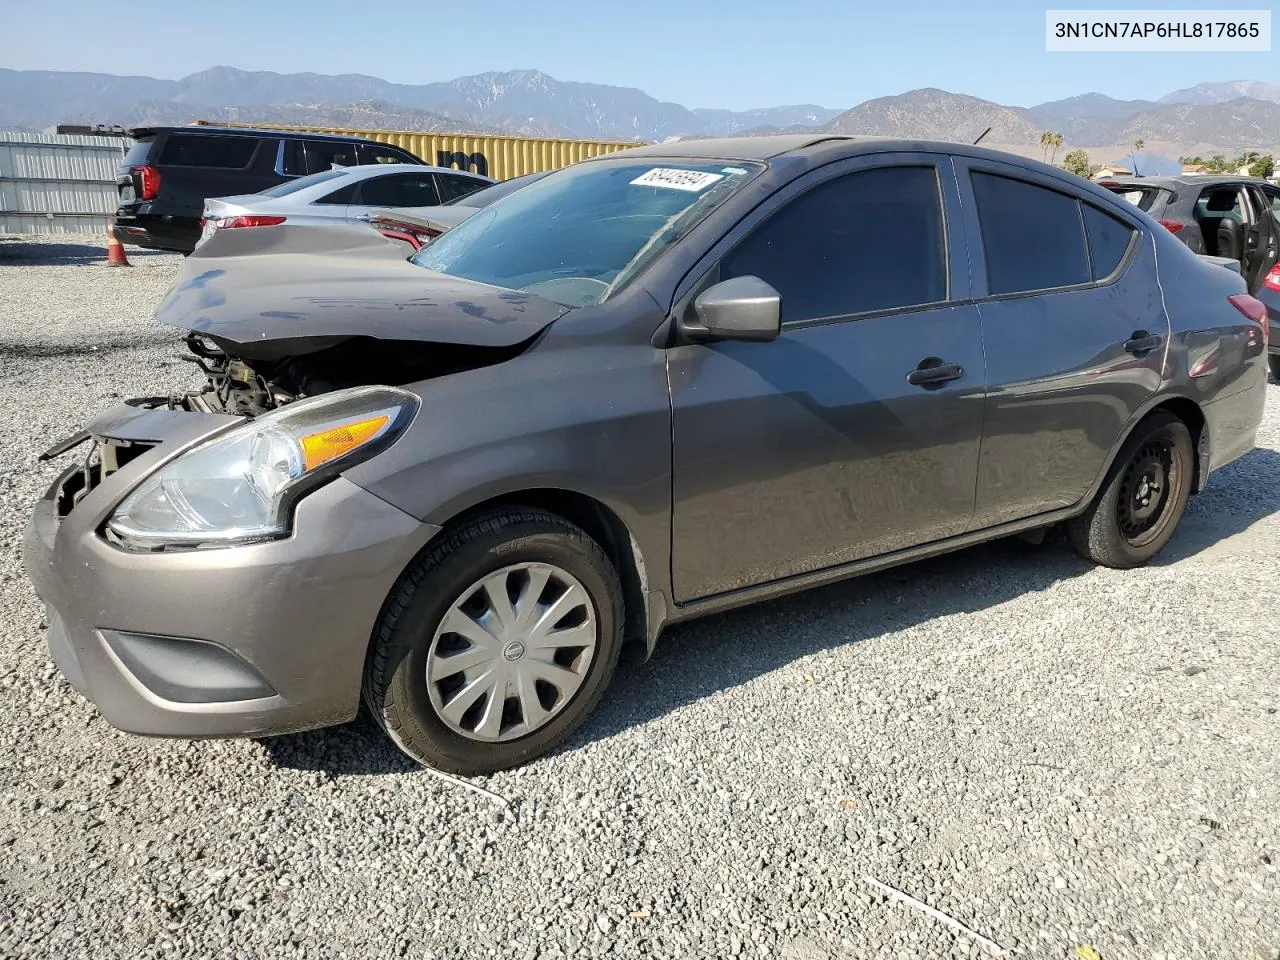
<point x="341" y="195"/>
<point x="649" y="387"/>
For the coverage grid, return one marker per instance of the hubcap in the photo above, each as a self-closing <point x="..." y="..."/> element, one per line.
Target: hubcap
<point x="1146" y="490"/>
<point x="511" y="651"/>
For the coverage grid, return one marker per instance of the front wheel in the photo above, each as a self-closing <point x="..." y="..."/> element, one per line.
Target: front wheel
<point x="1143" y="498"/>
<point x="496" y="643"/>
<point x="1273" y="362"/>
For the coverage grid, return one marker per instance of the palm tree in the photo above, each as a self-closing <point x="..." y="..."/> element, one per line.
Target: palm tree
<point x="1046" y="141"/>
<point x="1055" y="141"/>
<point x="1133" y="157"/>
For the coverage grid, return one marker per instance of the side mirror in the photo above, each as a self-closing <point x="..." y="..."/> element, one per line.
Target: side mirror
<point x="742" y="308"/>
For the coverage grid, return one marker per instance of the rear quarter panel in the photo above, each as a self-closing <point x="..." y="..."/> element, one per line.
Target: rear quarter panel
<point x="1217" y="356"/>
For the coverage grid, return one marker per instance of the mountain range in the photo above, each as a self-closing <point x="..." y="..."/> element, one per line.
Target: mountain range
<point x="1207" y="118"/>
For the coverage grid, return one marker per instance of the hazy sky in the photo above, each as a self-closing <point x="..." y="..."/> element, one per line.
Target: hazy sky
<point x="746" y="53"/>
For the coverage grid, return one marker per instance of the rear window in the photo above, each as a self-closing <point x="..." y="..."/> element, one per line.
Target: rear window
<point x="293" y="186"/>
<point x="137" y="154"/>
<point x="1144" y="198"/>
<point x="1033" y="237"/>
<point x="482" y="198"/>
<point x="198" y="150"/>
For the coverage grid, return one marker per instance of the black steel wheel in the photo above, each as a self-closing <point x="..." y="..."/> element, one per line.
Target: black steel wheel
<point x="1142" y="499"/>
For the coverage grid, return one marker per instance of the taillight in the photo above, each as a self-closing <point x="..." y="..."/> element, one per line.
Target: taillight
<point x="256" y="220"/>
<point x="414" y="235"/>
<point x="1251" y="307"/>
<point x="1256" y="311"/>
<point x="1173" y="226"/>
<point x="149" y="180"/>
<point x="1272" y="282"/>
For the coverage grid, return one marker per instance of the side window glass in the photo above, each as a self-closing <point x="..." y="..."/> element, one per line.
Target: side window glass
<point x="1109" y="240"/>
<point x="372" y="154"/>
<point x="294" y="159"/>
<point x="453" y="188"/>
<point x="400" y="190"/>
<point x="325" y="155"/>
<point x="871" y="240"/>
<point x="1032" y="236"/>
<point x="343" y="195"/>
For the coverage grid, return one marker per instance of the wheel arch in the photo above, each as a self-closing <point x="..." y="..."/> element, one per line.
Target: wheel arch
<point x="1185" y="409"/>
<point x="603" y="525"/>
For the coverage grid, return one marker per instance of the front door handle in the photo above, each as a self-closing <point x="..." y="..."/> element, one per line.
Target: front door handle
<point x="1142" y="342"/>
<point x="932" y="371"/>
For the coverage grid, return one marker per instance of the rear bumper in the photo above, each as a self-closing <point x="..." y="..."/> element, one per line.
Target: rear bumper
<point x="258" y="639"/>
<point x="157" y="232"/>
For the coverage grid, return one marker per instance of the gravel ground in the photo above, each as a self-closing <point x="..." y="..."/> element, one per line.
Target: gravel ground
<point x="1057" y="756"/>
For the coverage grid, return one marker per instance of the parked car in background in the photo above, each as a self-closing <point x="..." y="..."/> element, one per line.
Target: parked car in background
<point x="1223" y="216"/>
<point x="1269" y="295"/>
<point x="651" y="386"/>
<point x="342" y="195"/>
<point x="417" y="226"/>
<point x="169" y="172"/>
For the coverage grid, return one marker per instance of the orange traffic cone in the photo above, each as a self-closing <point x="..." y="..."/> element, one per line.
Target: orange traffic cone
<point x="115" y="249"/>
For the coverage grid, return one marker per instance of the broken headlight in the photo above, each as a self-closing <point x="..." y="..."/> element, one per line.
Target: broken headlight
<point x="242" y="485"/>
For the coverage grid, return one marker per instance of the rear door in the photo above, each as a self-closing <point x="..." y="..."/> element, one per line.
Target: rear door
<point x="1075" y="335"/>
<point x="394" y="190"/>
<point x="856" y="432"/>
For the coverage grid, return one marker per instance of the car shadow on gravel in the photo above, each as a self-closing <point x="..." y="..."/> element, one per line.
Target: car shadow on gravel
<point x="63" y="254"/>
<point x="720" y="652"/>
<point x="698" y="659"/>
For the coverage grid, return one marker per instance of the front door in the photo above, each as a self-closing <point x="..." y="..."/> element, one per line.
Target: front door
<point x="856" y="433"/>
<point x="1075" y="334"/>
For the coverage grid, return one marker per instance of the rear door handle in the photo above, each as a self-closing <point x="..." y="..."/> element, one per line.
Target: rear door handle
<point x="1142" y="342"/>
<point x="934" y="371"/>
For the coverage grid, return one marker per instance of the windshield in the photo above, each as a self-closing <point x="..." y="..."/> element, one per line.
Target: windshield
<point x="293" y="186"/>
<point x="582" y="233"/>
<point x="486" y="195"/>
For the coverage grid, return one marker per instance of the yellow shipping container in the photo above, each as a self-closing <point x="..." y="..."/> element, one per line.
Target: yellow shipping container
<point x="492" y="156"/>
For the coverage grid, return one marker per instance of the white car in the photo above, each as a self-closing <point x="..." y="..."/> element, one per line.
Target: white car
<point x="341" y="195"/>
<point x="417" y="226"/>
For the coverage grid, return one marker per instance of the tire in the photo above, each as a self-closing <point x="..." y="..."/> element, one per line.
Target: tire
<point x="456" y="577"/>
<point x="1118" y="530"/>
<point x="1273" y="361"/>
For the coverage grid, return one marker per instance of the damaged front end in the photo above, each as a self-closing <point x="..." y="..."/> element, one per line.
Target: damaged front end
<point x="276" y="315"/>
<point x="249" y="387"/>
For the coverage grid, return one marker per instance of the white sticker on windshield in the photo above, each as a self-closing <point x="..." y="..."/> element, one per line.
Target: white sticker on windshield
<point x="694" y="181"/>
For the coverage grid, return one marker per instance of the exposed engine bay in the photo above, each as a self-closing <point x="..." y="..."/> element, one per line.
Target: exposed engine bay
<point x="251" y="386"/>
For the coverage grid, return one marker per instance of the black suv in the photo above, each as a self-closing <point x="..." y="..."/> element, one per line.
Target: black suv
<point x="169" y="172"/>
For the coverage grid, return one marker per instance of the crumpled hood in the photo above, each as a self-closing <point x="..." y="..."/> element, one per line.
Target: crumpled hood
<point x="296" y="289"/>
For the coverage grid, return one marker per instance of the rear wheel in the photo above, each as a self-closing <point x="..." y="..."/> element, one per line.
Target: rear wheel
<point x="1273" y="362"/>
<point x="496" y="643"/>
<point x="1143" y="498"/>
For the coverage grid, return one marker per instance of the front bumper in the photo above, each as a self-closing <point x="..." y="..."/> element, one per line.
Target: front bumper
<point x="293" y="615"/>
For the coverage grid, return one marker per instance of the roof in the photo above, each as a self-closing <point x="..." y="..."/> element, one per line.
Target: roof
<point x="139" y="132"/>
<point x="730" y="148"/>
<point x="1199" y="181"/>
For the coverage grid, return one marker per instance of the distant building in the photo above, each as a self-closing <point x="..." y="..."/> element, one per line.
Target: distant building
<point x="1194" y="169"/>
<point x="1112" y="170"/>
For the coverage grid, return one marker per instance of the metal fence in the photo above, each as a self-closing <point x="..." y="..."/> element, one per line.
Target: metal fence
<point x="55" y="183"/>
<point x="492" y="156"/>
